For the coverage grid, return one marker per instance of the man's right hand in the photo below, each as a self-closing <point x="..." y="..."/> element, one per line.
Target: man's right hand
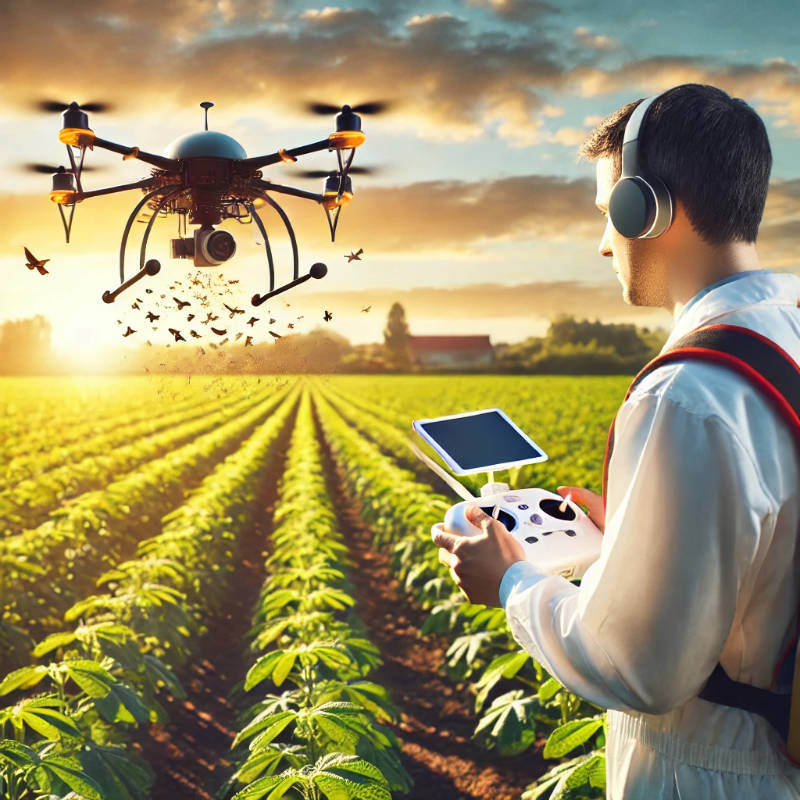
<point x="593" y="502"/>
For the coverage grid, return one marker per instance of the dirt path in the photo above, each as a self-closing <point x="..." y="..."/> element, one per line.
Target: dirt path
<point x="436" y="715"/>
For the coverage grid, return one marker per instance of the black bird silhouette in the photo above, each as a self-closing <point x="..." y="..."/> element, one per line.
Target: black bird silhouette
<point x="290" y="326"/>
<point x="181" y="303"/>
<point x="248" y="342"/>
<point x="35" y="263"/>
<point x="328" y="316"/>
<point x="177" y="335"/>
<point x="196" y="334"/>
<point x="236" y="281"/>
<point x="151" y="317"/>
<point x="276" y="335"/>
<point x="149" y="291"/>
<point x="129" y="331"/>
<point x="219" y="332"/>
<point x="233" y="311"/>
<point x="252" y="320"/>
<point x="237" y="337"/>
<point x="190" y="318"/>
<point x="135" y="305"/>
<point x="210" y="318"/>
<point x="354" y="256"/>
<point x="196" y="282"/>
<point x="272" y="321"/>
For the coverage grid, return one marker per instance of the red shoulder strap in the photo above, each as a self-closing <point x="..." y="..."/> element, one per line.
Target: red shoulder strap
<point x="765" y="364"/>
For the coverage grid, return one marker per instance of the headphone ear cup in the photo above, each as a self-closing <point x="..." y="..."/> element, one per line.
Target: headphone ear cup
<point x="639" y="209"/>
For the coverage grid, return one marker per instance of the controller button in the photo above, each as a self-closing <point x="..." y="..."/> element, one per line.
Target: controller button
<point x="522" y="507"/>
<point x="531" y="539"/>
<point x="536" y="519"/>
<point x="570" y="533"/>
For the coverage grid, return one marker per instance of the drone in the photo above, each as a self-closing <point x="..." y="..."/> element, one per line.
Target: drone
<point x="205" y="178"/>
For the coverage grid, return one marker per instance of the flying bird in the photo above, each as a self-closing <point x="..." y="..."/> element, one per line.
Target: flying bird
<point x="354" y="256"/>
<point x="233" y="311"/>
<point x="328" y="316"/>
<point x="35" y="263"/>
<point x="210" y="318"/>
<point x="135" y="305"/>
<point x="190" y="318"/>
<point x="236" y="281"/>
<point x="219" y="332"/>
<point x="237" y="337"/>
<point x="248" y="342"/>
<point x="251" y="321"/>
<point x="196" y="334"/>
<point x="272" y="321"/>
<point x="177" y="335"/>
<point x="366" y="309"/>
<point x="129" y="331"/>
<point x="276" y="335"/>
<point x="151" y="317"/>
<point x="149" y="291"/>
<point x="181" y="303"/>
<point x="290" y="326"/>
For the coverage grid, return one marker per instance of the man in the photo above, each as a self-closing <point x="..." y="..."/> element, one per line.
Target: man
<point x="699" y="562"/>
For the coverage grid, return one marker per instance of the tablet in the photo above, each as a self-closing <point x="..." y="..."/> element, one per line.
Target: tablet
<point x="479" y="441"/>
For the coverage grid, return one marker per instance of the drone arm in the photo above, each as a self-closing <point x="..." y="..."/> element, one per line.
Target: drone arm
<point x="169" y="164"/>
<point x="144" y="184"/>
<point x="266" y="186"/>
<point x="249" y="164"/>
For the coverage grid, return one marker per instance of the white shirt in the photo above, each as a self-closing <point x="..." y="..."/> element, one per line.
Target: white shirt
<point x="699" y="564"/>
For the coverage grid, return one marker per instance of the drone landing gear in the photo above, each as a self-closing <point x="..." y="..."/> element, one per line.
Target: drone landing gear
<point x="152" y="267"/>
<point x="318" y="270"/>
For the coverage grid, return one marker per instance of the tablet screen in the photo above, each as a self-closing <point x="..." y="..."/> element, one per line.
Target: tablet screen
<point x="479" y="441"/>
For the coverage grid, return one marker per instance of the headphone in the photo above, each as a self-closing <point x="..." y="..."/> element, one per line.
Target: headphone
<point x="639" y="207"/>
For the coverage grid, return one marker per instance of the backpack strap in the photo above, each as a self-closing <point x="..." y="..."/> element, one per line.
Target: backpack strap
<point x="768" y="367"/>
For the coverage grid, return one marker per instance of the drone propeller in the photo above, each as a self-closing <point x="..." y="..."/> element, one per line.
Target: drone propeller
<point x="58" y="105"/>
<point x="375" y="107"/>
<point x="321" y="173"/>
<point x="46" y="169"/>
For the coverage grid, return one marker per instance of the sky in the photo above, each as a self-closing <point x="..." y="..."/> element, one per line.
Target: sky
<point x="479" y="216"/>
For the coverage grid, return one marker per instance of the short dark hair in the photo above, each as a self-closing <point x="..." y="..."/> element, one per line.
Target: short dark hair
<point x="710" y="149"/>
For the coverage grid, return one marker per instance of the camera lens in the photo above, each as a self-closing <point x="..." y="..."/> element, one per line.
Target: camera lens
<point x="220" y="245"/>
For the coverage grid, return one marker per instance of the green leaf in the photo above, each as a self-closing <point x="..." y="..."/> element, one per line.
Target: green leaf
<point x="117" y="774"/>
<point x="49" y="723"/>
<point x="284" y="667"/>
<point x="69" y="771"/>
<point x="570" y="735"/>
<point x="262" y="669"/>
<point x="122" y="704"/>
<point x="90" y="676"/>
<point x="52" y="642"/>
<point x="271" y="724"/>
<point x="18" y="754"/>
<point x="340" y="777"/>
<point x="275" y="785"/>
<point x="548" y="689"/>
<point x="23" y="678"/>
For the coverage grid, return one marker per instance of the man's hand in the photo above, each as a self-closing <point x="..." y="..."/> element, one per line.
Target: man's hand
<point x="477" y="563"/>
<point x="594" y="503"/>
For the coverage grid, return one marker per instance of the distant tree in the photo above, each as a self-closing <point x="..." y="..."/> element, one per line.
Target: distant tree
<point x="396" y="339"/>
<point x="25" y="346"/>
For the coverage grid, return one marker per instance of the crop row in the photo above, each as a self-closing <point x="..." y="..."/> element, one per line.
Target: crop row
<point x="324" y="736"/>
<point x="30" y="501"/>
<point x="119" y="657"/>
<point x="46" y="569"/>
<point x="401" y="512"/>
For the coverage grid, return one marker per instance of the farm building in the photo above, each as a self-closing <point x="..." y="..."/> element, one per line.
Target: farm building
<point x="451" y="352"/>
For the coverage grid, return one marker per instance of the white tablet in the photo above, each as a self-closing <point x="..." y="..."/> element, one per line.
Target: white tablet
<point x="479" y="441"/>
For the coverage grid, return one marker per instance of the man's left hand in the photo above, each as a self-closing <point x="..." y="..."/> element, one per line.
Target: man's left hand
<point x="477" y="563"/>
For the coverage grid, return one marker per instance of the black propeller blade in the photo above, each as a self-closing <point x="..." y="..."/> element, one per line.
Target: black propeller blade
<point x="321" y="173"/>
<point x="46" y="169"/>
<point x="58" y="105"/>
<point x="375" y="107"/>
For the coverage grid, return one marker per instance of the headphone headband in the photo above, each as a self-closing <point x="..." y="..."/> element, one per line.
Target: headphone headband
<point x="630" y="155"/>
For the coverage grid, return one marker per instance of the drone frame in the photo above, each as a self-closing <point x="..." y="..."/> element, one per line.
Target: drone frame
<point x="170" y="183"/>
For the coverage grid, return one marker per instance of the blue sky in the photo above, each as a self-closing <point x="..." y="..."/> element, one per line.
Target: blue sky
<point x="491" y="99"/>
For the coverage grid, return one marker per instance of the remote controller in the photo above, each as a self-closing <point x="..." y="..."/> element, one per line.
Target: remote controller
<point x="558" y="542"/>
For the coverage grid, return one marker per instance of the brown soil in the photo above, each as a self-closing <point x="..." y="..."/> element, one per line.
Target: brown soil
<point x="437" y="719"/>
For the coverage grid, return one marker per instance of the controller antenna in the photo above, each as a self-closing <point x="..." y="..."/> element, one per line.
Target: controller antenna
<point x="457" y="487"/>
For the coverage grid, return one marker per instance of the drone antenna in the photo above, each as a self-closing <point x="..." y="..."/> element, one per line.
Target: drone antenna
<point x="206" y="104"/>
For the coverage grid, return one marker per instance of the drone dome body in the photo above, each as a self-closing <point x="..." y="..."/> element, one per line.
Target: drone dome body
<point x="205" y="144"/>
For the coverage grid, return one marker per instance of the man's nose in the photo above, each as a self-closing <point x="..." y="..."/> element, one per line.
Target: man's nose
<point x="605" y="242"/>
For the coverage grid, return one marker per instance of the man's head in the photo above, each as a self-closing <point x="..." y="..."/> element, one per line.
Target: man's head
<point x="712" y="152"/>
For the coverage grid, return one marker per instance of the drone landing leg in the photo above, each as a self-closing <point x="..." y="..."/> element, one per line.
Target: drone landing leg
<point x="318" y="270"/>
<point x="152" y="267"/>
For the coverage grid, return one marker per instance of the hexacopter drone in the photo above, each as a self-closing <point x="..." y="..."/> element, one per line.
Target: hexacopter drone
<point x="207" y="178"/>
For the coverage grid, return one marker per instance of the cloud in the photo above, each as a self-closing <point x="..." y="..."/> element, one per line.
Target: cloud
<point x="593" y="41"/>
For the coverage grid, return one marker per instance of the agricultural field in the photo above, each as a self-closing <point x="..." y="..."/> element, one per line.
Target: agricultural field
<point x="225" y="587"/>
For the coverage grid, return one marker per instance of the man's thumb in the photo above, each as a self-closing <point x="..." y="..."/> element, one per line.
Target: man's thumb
<point x="476" y="515"/>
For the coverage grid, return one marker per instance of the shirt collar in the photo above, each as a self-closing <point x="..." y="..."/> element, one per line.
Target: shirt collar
<point x="732" y="293"/>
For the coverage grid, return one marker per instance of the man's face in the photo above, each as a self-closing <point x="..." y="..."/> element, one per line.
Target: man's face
<point x="632" y="259"/>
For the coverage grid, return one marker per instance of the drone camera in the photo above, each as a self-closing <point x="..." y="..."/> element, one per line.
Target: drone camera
<point x="207" y="247"/>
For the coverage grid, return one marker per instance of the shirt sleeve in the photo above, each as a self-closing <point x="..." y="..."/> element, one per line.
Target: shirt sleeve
<point x="647" y="624"/>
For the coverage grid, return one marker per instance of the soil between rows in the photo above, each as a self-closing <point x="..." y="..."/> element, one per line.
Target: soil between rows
<point x="436" y="720"/>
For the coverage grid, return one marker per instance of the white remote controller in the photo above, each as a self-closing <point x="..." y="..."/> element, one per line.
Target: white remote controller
<point x="558" y="542"/>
